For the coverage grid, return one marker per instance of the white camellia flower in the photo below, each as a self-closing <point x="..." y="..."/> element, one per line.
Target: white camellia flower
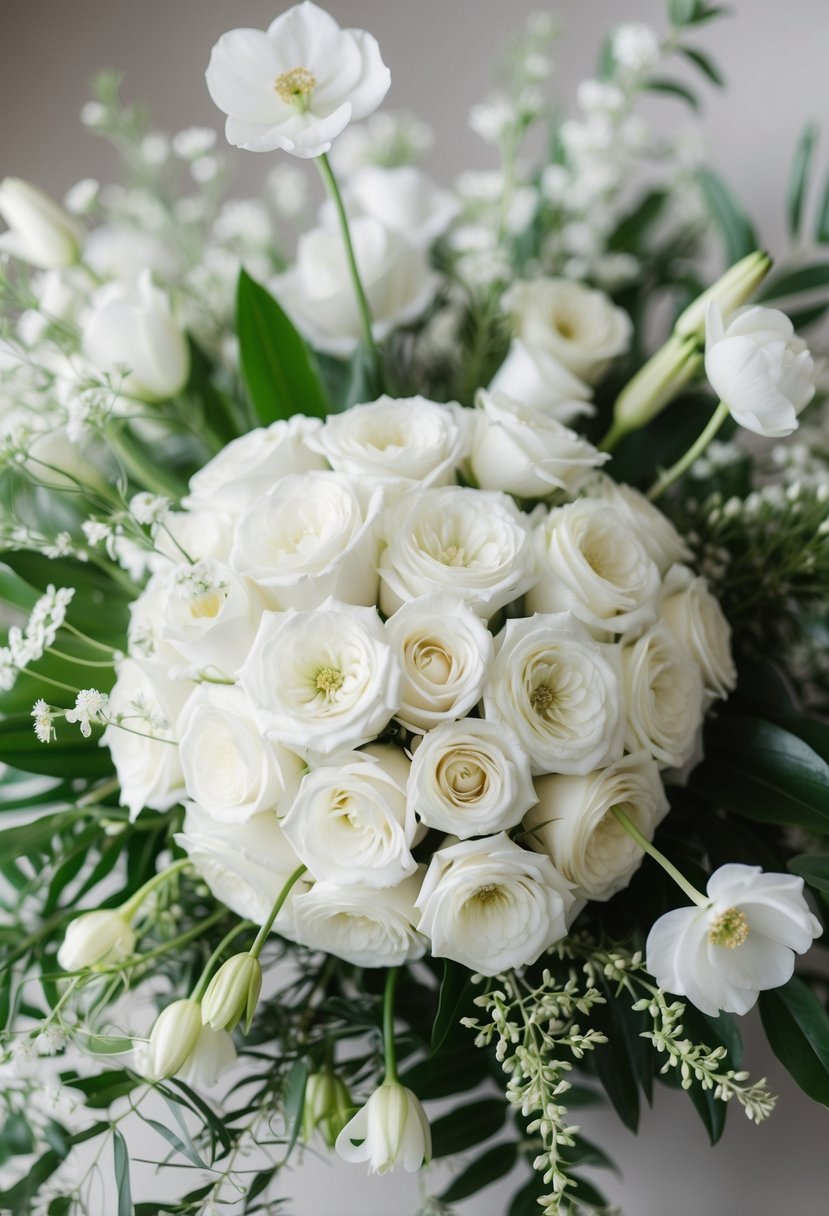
<point x="313" y="536"/>
<point x="296" y="85"/>
<point x="40" y="231"/>
<point x="318" y="291"/>
<point x="573" y="823"/>
<point x="491" y="905"/>
<point x="663" y="697"/>
<point x="559" y="691"/>
<point x="759" y="367"/>
<point x="403" y="199"/>
<point x="230" y="770"/>
<point x="542" y="383"/>
<point x="366" y="926"/>
<point x="249" y="466"/>
<point x="245" y="865"/>
<point x="742" y="942"/>
<point x="471" y="778"/>
<point x="350" y="821"/>
<point x="695" y="618"/>
<point x="444" y="650"/>
<point x="472" y="544"/>
<point x="390" y="1129"/>
<point x="579" y="326"/>
<point x="594" y="566"/>
<point x="400" y="444"/>
<point x="522" y="452"/>
<point x="654" y="531"/>
<point x="322" y="681"/>
<point x="210" y="616"/>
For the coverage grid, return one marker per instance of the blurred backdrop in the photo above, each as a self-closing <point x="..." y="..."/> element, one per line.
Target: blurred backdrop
<point x="442" y="55"/>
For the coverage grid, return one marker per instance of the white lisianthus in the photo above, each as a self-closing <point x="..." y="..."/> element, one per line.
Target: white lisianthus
<point x="741" y="943"/>
<point x="654" y="531"/>
<point x="210" y="616"/>
<point x="522" y="452"/>
<point x="100" y="936"/>
<point x="296" y="85"/>
<point x="323" y="681"/>
<point x="401" y="444"/>
<point x="366" y="926"/>
<point x="471" y="778"/>
<point x="318" y="292"/>
<point x="313" y="536"/>
<point x="759" y="367"/>
<point x="444" y="650"/>
<point x="559" y="691"/>
<point x="40" y="231"/>
<point x="230" y="770"/>
<point x="573" y="823"/>
<point x="351" y="822"/>
<point x="663" y="696"/>
<point x="472" y="544"/>
<point x="245" y="865"/>
<point x="594" y="566"/>
<point x="579" y="326"/>
<point x="391" y="1129"/>
<point x="695" y="618"/>
<point x="250" y="465"/>
<point x="542" y="383"/>
<point x="491" y="905"/>
<point x="130" y="333"/>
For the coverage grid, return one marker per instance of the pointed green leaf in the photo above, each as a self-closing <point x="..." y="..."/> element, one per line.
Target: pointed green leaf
<point x="705" y="64"/>
<point x="738" y="235"/>
<point x="813" y="868"/>
<point x="797" y="1026"/>
<point x="675" y="89"/>
<point x="122" y="1173"/>
<point x="799" y="178"/>
<point x="495" y="1163"/>
<point x="467" y="1126"/>
<point x="454" y="988"/>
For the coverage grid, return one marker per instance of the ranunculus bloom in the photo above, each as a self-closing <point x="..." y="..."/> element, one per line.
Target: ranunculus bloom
<point x="40" y="231"/>
<point x="297" y="84"/>
<point x="365" y="926"/>
<point x="695" y="618"/>
<point x="542" y="383"/>
<point x="742" y="942"/>
<point x="391" y="1129"/>
<point x="759" y="367"/>
<point x="654" y="531"/>
<point x="663" y="697"/>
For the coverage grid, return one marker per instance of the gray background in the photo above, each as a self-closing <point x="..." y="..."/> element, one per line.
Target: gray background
<point x="441" y="54"/>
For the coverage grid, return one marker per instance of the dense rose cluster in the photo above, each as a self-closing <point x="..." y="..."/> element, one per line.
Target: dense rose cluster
<point x="424" y="651"/>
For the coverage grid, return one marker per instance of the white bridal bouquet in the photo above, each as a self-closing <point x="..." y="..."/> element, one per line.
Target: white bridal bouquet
<point x="411" y="690"/>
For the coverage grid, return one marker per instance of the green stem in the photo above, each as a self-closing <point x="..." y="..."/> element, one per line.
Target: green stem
<point x="694" y="452"/>
<point x="165" y="947"/>
<point x="204" y="979"/>
<point x="613" y="437"/>
<point x="682" y="882"/>
<point x="389" y="1048"/>
<point x="359" y="291"/>
<point x="89" y="641"/>
<point x="73" y="658"/>
<point x="138" y="465"/>
<point x="262" y="935"/>
<point x="99" y="794"/>
<point x="129" y="909"/>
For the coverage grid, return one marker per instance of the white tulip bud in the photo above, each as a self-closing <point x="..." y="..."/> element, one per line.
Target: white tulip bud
<point x="730" y="291"/>
<point x="40" y="232"/>
<point x="173" y="1038"/>
<point x="232" y="993"/>
<point x="96" y="937"/>
<point x="327" y="1107"/>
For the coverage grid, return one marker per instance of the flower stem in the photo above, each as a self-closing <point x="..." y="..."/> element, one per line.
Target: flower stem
<point x="261" y="936"/>
<point x="693" y="894"/>
<point x="129" y="909"/>
<point x="359" y="291"/>
<point x="694" y="452"/>
<point x="139" y="466"/>
<point x="204" y="979"/>
<point x="389" y="1049"/>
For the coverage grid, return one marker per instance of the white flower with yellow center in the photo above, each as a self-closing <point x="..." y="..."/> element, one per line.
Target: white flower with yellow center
<point x="210" y="616"/>
<point x="363" y="925"/>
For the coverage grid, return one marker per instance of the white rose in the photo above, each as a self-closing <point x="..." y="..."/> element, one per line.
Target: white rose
<point x="210" y="616"/>
<point x="579" y="326"/>
<point x="759" y="367"/>
<point x="573" y="823"/>
<point x="401" y="444"/>
<point x="471" y="544"/>
<point x="403" y="199"/>
<point x="191" y="536"/>
<point x="350" y="821"/>
<point x="322" y="681"/>
<point x="594" y="566"/>
<point x="471" y="778"/>
<point x="559" y="691"/>
<point x="245" y="865"/>
<point x="318" y="292"/>
<point x="229" y="769"/>
<point x="363" y="925"/>
<point x="542" y="383"/>
<point x="522" y="452"/>
<point x="313" y="536"/>
<point x="663" y="693"/>
<point x="444" y="651"/>
<point x="250" y="465"/>
<point x="695" y="618"/>
<point x="40" y="231"/>
<point x="654" y="531"/>
<point x="491" y="905"/>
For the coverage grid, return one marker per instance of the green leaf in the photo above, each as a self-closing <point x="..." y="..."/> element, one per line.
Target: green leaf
<point x="35" y="837"/>
<point x="447" y="1073"/>
<point x="294" y="1101"/>
<point x="813" y="868"/>
<point x="276" y="362"/>
<point x="363" y="381"/>
<point x="122" y="1173"/>
<point x="675" y="89"/>
<point x="70" y="755"/>
<point x="16" y="1137"/>
<point x="738" y="235"/>
<point x="797" y="1026"/>
<point x="175" y="1142"/>
<point x="682" y="11"/>
<point x="467" y="1126"/>
<point x="799" y="178"/>
<point x="454" y="988"/>
<point x="795" y="282"/>
<point x="822" y="219"/>
<point x="220" y="414"/>
<point x="636" y="222"/>
<point x="103" y="1088"/>
<point x="705" y="64"/>
<point x="497" y="1162"/>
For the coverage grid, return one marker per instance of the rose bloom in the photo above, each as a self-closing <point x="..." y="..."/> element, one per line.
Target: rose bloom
<point x="444" y="650"/>
<point x="491" y="905"/>
<point x="654" y="531"/>
<point x="195" y="535"/>
<point x="468" y="543"/>
<point x="363" y="925"/>
<point x="695" y="618"/>
<point x="541" y="383"/>
<point x="351" y="822"/>
<point x="402" y="198"/>
<point x="209" y="616"/>
<point x="573" y="823"/>
<point x="663" y="697"/>
<point x="559" y="691"/>
<point x="470" y="778"/>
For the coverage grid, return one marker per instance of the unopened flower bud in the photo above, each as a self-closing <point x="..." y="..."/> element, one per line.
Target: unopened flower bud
<point x="391" y="1129"/>
<point x="232" y="993"/>
<point x="733" y="289"/>
<point x="327" y="1107"/>
<point x="173" y="1038"/>
<point x="664" y="375"/>
<point x="40" y="232"/>
<point x="96" y="937"/>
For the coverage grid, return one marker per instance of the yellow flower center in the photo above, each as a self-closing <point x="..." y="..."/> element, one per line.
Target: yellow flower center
<point x="542" y="698"/>
<point x="329" y="680"/>
<point x="730" y="929"/>
<point x="295" y="87"/>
